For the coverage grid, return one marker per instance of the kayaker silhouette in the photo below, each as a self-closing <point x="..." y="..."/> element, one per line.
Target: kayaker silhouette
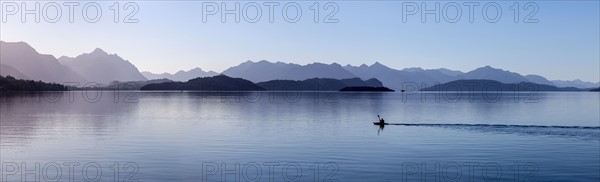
<point x="381" y="124"/>
<point x="381" y="120"/>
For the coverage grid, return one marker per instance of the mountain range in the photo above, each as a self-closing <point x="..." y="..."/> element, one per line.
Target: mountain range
<point x="22" y="61"/>
<point x="27" y="62"/>
<point x="180" y="75"/>
<point x="482" y="85"/>
<point x="575" y="83"/>
<point x="265" y="71"/>
<point x="94" y="67"/>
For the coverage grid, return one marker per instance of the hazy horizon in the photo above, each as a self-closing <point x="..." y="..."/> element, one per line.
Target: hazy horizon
<point x="255" y="61"/>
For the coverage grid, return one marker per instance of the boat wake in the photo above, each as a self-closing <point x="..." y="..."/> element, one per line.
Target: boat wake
<point x="580" y="132"/>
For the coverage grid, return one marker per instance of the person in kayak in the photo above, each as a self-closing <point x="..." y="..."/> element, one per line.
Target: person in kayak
<point x="381" y="124"/>
<point x="381" y="120"/>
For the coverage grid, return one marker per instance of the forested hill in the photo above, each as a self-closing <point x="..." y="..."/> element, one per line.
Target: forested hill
<point x="318" y="84"/>
<point x="9" y="83"/>
<point x="491" y="85"/>
<point x="215" y="83"/>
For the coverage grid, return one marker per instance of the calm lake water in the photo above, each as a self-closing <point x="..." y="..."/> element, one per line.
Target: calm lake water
<point x="300" y="136"/>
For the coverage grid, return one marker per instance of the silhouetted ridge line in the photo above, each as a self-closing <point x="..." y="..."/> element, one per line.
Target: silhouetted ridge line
<point x="318" y="84"/>
<point x="494" y="86"/>
<point x="215" y="83"/>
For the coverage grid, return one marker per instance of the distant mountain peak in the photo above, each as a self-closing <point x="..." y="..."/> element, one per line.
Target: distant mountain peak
<point x="504" y="76"/>
<point x="196" y="69"/>
<point x="100" y="67"/>
<point x="99" y="51"/>
<point x="21" y="45"/>
<point x="413" y="69"/>
<point x="379" y="66"/>
<point x="261" y="61"/>
<point x="28" y="61"/>
<point x="315" y="64"/>
<point x="488" y="67"/>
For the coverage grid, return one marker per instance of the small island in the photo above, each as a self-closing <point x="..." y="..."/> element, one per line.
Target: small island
<point x="366" y="89"/>
<point x="318" y="84"/>
<point x="596" y="90"/>
<point x="215" y="83"/>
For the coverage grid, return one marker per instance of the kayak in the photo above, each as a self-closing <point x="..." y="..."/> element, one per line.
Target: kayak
<point x="379" y="123"/>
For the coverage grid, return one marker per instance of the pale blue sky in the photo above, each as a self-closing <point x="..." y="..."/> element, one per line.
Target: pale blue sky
<point x="170" y="36"/>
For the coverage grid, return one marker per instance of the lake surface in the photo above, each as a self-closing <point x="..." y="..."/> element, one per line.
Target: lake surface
<point x="300" y="136"/>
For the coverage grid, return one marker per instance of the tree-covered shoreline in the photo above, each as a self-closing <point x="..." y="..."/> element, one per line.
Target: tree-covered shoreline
<point x="10" y="83"/>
